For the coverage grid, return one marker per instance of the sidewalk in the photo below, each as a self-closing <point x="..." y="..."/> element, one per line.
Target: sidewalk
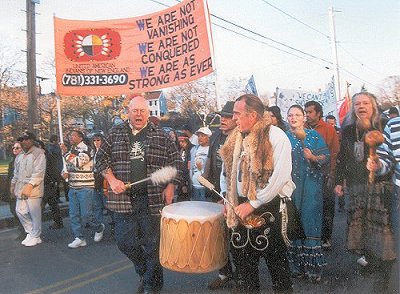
<point x="7" y="219"/>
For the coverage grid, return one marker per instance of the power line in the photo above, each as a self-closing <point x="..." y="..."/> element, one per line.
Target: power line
<point x="296" y="19"/>
<point x="359" y="61"/>
<point x="325" y="35"/>
<point x="272" y="40"/>
<point x="259" y="35"/>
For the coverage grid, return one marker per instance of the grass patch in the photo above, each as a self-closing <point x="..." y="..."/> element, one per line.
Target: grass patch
<point x="4" y="167"/>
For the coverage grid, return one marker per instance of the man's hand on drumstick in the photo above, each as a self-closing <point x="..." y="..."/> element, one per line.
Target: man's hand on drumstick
<point x="117" y="186"/>
<point x="168" y="193"/>
<point x="244" y="210"/>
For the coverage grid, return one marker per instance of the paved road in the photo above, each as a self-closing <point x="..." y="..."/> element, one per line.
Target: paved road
<point x="99" y="268"/>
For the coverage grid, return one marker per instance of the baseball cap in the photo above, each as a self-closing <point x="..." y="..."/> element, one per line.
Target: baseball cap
<point x="204" y="130"/>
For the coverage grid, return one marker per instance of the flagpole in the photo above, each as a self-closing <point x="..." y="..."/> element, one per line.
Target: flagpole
<point x="347" y="93"/>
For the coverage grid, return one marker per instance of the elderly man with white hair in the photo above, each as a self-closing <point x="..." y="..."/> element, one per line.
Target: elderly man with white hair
<point x="131" y="152"/>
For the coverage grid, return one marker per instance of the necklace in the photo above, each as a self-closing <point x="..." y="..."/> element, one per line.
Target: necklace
<point x="358" y="150"/>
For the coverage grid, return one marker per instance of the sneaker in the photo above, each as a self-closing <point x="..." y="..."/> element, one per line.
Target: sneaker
<point x="98" y="236"/>
<point x="362" y="261"/>
<point x="219" y="283"/>
<point x="33" y="241"/>
<point x="326" y="245"/>
<point x="77" y="243"/>
<point x="28" y="236"/>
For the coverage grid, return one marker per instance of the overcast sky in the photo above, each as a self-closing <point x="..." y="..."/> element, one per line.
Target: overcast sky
<point x="367" y="32"/>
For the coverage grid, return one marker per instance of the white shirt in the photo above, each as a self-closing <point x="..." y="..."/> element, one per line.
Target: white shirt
<point x="280" y="182"/>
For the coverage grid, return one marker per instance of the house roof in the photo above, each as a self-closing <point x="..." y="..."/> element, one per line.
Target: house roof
<point x="152" y="95"/>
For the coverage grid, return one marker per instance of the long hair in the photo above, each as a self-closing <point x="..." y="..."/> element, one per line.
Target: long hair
<point x="351" y="118"/>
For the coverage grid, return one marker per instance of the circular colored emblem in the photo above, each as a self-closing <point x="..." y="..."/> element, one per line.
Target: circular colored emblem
<point x="92" y="45"/>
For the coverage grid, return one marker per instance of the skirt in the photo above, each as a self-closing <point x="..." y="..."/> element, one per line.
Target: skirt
<point x="369" y="228"/>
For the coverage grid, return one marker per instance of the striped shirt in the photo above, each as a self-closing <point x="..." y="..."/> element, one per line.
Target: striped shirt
<point x="389" y="151"/>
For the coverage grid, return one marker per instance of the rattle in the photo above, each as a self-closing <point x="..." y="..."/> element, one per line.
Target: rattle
<point x="373" y="139"/>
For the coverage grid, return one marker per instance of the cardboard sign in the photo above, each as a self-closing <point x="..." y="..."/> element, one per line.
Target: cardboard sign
<point x="133" y="55"/>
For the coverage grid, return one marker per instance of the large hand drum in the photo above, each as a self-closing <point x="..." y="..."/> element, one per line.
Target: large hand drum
<point x="193" y="237"/>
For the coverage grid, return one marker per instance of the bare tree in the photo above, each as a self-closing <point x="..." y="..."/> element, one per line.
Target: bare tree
<point x="389" y="94"/>
<point x="194" y="99"/>
<point x="13" y="100"/>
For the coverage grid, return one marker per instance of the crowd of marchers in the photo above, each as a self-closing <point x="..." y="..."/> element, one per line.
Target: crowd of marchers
<point x="293" y="171"/>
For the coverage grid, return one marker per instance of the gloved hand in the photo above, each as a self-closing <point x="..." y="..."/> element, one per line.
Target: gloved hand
<point x="27" y="190"/>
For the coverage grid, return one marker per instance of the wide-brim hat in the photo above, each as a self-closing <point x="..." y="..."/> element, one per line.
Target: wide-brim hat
<point x="227" y="110"/>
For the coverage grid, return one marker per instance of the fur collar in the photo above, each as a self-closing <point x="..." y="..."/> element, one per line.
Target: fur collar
<point x="256" y="162"/>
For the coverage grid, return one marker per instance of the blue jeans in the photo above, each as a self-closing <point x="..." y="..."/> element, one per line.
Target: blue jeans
<point x="138" y="237"/>
<point x="98" y="206"/>
<point x="81" y="208"/>
<point x="198" y="194"/>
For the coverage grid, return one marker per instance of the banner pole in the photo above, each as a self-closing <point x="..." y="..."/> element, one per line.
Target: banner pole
<point x="60" y="131"/>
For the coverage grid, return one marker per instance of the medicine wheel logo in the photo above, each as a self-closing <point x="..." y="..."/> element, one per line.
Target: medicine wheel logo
<point x="92" y="45"/>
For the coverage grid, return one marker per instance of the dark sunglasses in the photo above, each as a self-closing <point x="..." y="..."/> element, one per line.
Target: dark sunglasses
<point x="16" y="148"/>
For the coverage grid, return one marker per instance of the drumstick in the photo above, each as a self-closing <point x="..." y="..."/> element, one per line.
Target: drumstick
<point x="160" y="176"/>
<point x="206" y="183"/>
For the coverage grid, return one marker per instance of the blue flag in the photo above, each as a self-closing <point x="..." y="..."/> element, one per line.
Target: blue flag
<point x="251" y="86"/>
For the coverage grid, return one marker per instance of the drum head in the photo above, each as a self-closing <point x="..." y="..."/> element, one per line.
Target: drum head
<point x="193" y="211"/>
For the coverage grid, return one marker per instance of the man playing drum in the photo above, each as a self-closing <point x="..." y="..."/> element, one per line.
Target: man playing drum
<point x="131" y="152"/>
<point x="257" y="174"/>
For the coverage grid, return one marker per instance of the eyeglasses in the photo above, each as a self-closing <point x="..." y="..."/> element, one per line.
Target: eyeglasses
<point x="16" y="148"/>
<point x="96" y="140"/>
<point x="141" y="111"/>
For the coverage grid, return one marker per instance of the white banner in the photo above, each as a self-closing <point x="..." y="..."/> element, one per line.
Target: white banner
<point x="287" y="98"/>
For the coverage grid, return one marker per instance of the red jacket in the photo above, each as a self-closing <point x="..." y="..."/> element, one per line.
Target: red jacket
<point x="331" y="139"/>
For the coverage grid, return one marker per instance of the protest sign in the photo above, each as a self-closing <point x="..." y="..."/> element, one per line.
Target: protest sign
<point x="287" y="97"/>
<point x="133" y="55"/>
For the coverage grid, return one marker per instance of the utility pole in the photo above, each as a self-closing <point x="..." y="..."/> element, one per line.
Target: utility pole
<point x="33" y="118"/>
<point x="334" y="53"/>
